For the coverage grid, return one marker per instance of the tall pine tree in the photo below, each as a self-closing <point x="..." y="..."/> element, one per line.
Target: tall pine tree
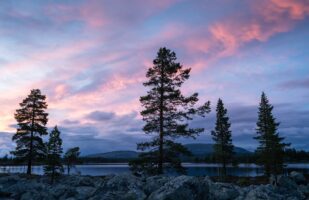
<point x="222" y="136"/>
<point x="53" y="163"/>
<point x="71" y="157"/>
<point x="31" y="119"/>
<point x="271" y="147"/>
<point x="166" y="113"/>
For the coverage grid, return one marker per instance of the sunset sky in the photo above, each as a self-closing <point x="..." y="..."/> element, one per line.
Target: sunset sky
<point x="90" y="59"/>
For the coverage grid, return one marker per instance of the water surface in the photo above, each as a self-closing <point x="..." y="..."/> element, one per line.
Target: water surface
<point x="194" y="169"/>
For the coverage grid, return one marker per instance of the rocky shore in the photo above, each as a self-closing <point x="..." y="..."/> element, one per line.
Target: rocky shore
<point x="129" y="187"/>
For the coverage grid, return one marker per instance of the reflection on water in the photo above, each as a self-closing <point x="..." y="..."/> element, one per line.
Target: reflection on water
<point x="193" y="169"/>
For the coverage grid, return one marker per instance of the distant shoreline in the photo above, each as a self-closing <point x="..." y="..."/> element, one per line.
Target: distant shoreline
<point x="185" y="164"/>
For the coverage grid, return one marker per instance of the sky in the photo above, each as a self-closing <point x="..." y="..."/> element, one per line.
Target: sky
<point x="90" y="59"/>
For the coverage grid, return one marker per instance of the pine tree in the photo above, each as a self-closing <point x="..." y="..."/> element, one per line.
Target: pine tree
<point x="53" y="165"/>
<point x="166" y="113"/>
<point x="222" y="136"/>
<point x="271" y="147"/>
<point x="32" y="119"/>
<point x="71" y="158"/>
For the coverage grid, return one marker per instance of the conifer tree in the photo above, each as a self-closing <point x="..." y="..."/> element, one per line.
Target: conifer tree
<point x="166" y="113"/>
<point x="71" y="158"/>
<point x="53" y="165"/>
<point x="271" y="147"/>
<point x="222" y="136"/>
<point x="31" y="119"/>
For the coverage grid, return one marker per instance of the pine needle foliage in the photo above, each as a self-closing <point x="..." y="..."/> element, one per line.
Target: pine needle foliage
<point x="31" y="120"/>
<point x="271" y="146"/>
<point x="166" y="113"/>
<point x="53" y="166"/>
<point x="222" y="136"/>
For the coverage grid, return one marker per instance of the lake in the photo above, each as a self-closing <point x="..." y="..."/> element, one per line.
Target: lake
<point x="194" y="169"/>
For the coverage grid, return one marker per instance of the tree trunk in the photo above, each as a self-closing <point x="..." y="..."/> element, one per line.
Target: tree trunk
<point x="160" y="164"/>
<point x="29" y="168"/>
<point x="224" y="169"/>
<point x="68" y="169"/>
<point x="30" y="155"/>
<point x="53" y="176"/>
<point x="160" y="170"/>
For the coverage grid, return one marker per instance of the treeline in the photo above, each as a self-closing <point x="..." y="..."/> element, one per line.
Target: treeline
<point x="167" y="113"/>
<point x="291" y="156"/>
<point x="30" y="148"/>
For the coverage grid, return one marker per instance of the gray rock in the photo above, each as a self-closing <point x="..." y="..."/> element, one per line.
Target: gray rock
<point x="288" y="188"/>
<point x="223" y="191"/>
<point x="34" y="195"/>
<point x="24" y="186"/>
<point x="155" y="182"/>
<point x="9" y="179"/>
<point x="86" y="181"/>
<point x="129" y="187"/>
<point x="298" y="177"/>
<point x="182" y="187"/>
<point x="78" y="181"/>
<point x="286" y="182"/>
<point x="30" y="195"/>
<point x="70" y="192"/>
<point x="263" y="192"/>
<point x="304" y="189"/>
<point x="58" y="190"/>
<point x="85" y="192"/>
<point x="122" y="187"/>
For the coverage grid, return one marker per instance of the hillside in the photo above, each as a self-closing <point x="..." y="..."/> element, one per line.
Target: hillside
<point x="115" y="155"/>
<point x="197" y="149"/>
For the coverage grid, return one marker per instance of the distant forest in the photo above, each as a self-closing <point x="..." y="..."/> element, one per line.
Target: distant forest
<point x="291" y="156"/>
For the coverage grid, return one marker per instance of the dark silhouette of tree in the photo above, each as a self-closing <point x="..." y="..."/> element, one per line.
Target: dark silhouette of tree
<point x="71" y="157"/>
<point x="53" y="163"/>
<point x="32" y="119"/>
<point x="222" y="136"/>
<point x="166" y="113"/>
<point x="271" y="148"/>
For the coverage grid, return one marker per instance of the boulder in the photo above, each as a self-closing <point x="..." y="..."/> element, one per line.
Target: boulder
<point x="87" y="181"/>
<point x="223" y="191"/>
<point x="33" y="195"/>
<point x="263" y="192"/>
<point x="85" y="192"/>
<point x="304" y="189"/>
<point x="121" y="187"/>
<point x="297" y="177"/>
<point x="288" y="188"/>
<point x="24" y="186"/>
<point x="70" y="192"/>
<point x="80" y="180"/>
<point x="9" y="179"/>
<point x="154" y="182"/>
<point x="286" y="182"/>
<point x="58" y="190"/>
<point x="182" y="187"/>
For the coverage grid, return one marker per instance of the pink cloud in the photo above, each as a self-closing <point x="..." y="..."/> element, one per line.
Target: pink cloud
<point x="42" y="58"/>
<point x="97" y="14"/>
<point x="89" y="13"/>
<point x="225" y="37"/>
<point x="296" y="10"/>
